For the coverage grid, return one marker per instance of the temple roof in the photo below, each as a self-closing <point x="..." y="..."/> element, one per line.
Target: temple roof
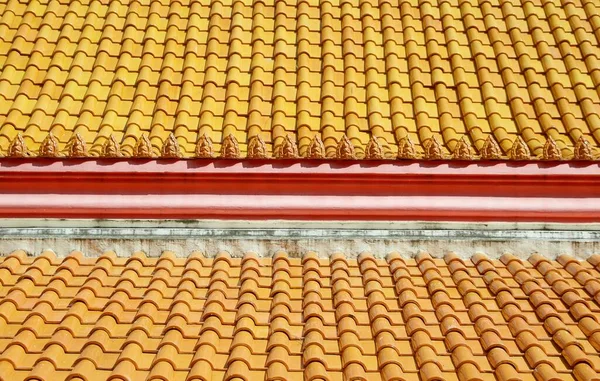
<point x="461" y="79"/>
<point x="286" y="318"/>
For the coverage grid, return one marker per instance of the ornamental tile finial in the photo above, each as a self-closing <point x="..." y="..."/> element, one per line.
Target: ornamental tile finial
<point x="583" y="150"/>
<point x="490" y="149"/>
<point x="230" y="148"/>
<point x="256" y="148"/>
<point x="406" y="149"/>
<point x="170" y="148"/>
<point x="204" y="147"/>
<point x="316" y="149"/>
<point x="77" y="146"/>
<point x="111" y="148"/>
<point x="345" y="149"/>
<point x="374" y="150"/>
<point x="18" y="148"/>
<point x="49" y="147"/>
<point x="551" y="150"/>
<point x="287" y="149"/>
<point x="519" y="150"/>
<point x="143" y="147"/>
<point x="433" y="149"/>
<point x="462" y="151"/>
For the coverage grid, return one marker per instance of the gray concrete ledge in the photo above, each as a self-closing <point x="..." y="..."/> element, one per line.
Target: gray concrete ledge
<point x="298" y="234"/>
<point x="288" y="224"/>
<point x="92" y="237"/>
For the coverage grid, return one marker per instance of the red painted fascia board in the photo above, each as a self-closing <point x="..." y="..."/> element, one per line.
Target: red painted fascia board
<point x="253" y="207"/>
<point x="394" y="190"/>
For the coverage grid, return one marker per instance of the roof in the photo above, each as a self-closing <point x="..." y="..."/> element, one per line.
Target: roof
<point x="285" y="318"/>
<point x="352" y="78"/>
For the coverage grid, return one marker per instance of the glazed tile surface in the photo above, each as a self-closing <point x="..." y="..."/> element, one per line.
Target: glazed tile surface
<point x="283" y="318"/>
<point x="433" y="79"/>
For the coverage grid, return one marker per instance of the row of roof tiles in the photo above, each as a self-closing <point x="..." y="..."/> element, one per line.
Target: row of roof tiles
<point x="448" y="73"/>
<point x="282" y="318"/>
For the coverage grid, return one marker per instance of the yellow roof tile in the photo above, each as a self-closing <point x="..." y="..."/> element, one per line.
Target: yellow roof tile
<point x="452" y="71"/>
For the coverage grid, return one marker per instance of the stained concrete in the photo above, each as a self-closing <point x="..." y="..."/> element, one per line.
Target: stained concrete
<point x="93" y="237"/>
<point x="296" y="248"/>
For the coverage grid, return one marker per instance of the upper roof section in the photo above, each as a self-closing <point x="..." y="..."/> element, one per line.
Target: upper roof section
<point x="463" y="79"/>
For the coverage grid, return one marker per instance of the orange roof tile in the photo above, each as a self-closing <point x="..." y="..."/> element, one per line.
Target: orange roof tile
<point x="283" y="318"/>
<point x="455" y="79"/>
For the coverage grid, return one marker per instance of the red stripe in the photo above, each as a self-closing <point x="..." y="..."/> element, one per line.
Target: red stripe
<point x="449" y="191"/>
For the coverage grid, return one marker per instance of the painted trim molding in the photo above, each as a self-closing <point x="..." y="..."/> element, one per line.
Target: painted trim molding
<point x="301" y="190"/>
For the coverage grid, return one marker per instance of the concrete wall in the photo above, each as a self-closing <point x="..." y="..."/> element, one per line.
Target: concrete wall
<point x="92" y="237"/>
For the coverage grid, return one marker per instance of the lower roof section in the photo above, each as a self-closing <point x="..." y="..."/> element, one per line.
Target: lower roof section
<point x="230" y="189"/>
<point x="283" y="318"/>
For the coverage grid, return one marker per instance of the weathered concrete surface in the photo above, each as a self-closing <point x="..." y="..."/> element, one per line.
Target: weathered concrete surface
<point x="93" y="237"/>
<point x="287" y="224"/>
<point x="324" y="247"/>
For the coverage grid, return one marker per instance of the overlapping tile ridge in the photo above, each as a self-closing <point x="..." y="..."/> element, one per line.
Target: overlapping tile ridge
<point x="284" y="318"/>
<point x="345" y="79"/>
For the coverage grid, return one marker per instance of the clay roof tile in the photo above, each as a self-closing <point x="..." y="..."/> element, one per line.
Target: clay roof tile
<point x="336" y="316"/>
